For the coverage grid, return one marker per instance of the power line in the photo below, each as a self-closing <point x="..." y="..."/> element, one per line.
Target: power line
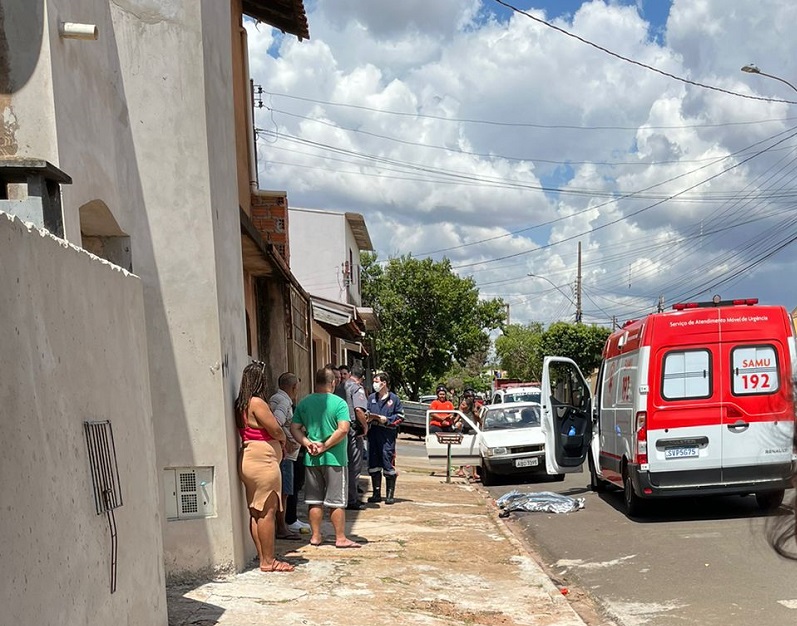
<point x="461" y="120"/>
<point x="624" y="217"/>
<point x="639" y="63"/>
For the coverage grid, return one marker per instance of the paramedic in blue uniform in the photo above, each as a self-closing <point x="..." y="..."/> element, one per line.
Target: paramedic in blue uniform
<point x="385" y="414"/>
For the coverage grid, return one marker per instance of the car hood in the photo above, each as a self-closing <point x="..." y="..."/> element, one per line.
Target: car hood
<point x="513" y="437"/>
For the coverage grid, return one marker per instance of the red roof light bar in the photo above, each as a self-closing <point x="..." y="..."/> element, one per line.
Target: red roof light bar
<point x="680" y="306"/>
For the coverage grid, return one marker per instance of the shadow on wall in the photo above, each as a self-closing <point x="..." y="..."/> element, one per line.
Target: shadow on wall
<point x="21" y="29"/>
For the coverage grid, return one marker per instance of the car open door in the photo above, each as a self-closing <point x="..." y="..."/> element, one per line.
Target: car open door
<point x="566" y="415"/>
<point x="465" y="453"/>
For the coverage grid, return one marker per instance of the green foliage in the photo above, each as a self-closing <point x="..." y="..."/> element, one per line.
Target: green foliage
<point x="580" y="342"/>
<point x="430" y="318"/>
<point x="472" y="374"/>
<point x="521" y="348"/>
<point x="518" y="351"/>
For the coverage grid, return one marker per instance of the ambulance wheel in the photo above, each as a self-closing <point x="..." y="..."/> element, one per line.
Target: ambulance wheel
<point x="769" y="500"/>
<point x="634" y="505"/>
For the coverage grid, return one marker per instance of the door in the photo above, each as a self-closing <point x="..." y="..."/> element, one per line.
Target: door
<point x="566" y="415"/>
<point x="758" y="420"/>
<point x="464" y="453"/>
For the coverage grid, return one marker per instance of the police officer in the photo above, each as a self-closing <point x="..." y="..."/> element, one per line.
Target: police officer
<point x="357" y="400"/>
<point x="385" y="414"/>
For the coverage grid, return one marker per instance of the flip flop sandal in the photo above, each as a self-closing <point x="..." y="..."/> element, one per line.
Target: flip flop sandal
<point x="315" y="545"/>
<point x="291" y="537"/>
<point x="347" y="546"/>
<point x="278" y="566"/>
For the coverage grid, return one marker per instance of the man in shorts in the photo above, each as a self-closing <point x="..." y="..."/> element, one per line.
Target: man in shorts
<point x="321" y="424"/>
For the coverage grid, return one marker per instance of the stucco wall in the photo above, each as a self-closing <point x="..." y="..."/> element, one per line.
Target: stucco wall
<point x="72" y="349"/>
<point x="142" y="119"/>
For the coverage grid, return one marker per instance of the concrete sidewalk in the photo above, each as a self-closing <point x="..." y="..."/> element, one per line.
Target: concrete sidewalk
<point x="439" y="556"/>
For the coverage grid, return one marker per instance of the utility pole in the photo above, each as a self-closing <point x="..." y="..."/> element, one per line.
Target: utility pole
<point x="660" y="308"/>
<point x="506" y="304"/>
<point x="614" y="322"/>
<point x="578" y="287"/>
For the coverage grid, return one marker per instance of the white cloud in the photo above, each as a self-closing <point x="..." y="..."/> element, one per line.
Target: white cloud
<point x="595" y="127"/>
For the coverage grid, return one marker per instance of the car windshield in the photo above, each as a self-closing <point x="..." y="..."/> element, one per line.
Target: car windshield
<point x="520" y="416"/>
<point x="525" y="396"/>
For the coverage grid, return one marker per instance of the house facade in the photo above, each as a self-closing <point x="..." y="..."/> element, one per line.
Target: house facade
<point x="325" y="257"/>
<point x="145" y="107"/>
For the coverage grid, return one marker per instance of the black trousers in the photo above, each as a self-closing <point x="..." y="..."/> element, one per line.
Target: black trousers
<point x="298" y="484"/>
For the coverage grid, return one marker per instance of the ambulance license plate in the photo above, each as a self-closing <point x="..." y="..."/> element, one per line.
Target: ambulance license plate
<point x="526" y="462"/>
<point x="680" y="453"/>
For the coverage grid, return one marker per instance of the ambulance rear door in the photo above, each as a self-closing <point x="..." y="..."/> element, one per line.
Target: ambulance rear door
<point x="758" y="418"/>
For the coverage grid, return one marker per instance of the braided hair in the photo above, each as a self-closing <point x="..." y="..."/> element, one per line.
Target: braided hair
<point x="252" y="385"/>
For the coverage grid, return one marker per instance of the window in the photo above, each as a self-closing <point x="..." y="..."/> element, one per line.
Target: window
<point x="687" y="374"/>
<point x="299" y="319"/>
<point x="754" y="370"/>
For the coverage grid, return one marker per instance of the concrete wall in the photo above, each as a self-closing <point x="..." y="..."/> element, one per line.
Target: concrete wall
<point x="71" y="350"/>
<point x="318" y="250"/>
<point x="142" y="119"/>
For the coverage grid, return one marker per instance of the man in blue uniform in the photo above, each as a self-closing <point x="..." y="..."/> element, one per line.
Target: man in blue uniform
<point x="385" y="414"/>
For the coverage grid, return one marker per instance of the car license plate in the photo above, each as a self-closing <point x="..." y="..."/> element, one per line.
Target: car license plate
<point x="680" y="453"/>
<point x="527" y="462"/>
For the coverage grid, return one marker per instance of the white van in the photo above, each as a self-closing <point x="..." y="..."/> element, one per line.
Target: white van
<point x="507" y="441"/>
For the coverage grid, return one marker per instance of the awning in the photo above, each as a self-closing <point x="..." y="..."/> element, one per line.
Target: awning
<point x="355" y="347"/>
<point x="338" y="319"/>
<point x="367" y="315"/>
<point x="328" y="315"/>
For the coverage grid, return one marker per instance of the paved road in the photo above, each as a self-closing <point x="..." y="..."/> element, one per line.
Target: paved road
<point x="693" y="561"/>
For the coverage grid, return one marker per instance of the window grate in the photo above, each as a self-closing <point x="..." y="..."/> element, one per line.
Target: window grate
<point x="104" y="479"/>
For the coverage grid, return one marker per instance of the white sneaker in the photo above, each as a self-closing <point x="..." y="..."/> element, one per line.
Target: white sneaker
<point x="299" y="527"/>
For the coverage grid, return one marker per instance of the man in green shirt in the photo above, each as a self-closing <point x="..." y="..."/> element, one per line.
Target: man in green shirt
<point x="321" y="424"/>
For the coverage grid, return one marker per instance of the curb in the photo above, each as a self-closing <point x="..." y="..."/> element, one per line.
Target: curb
<point x="544" y="579"/>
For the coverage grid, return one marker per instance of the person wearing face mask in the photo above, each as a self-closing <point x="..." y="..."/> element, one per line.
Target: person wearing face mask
<point x="385" y="414"/>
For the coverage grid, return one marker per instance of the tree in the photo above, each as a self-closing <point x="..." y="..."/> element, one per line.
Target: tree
<point x="518" y="351"/>
<point x="580" y="342"/>
<point x="429" y="316"/>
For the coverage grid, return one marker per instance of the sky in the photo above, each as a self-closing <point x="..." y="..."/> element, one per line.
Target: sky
<point x="466" y="130"/>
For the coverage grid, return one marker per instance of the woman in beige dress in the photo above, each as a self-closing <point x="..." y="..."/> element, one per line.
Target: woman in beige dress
<point x="262" y="442"/>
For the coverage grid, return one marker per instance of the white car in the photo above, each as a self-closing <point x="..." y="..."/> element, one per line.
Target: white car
<point x="508" y="441"/>
<point x="517" y="394"/>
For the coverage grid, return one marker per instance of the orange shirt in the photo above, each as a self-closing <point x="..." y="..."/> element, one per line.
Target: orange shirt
<point x="436" y="418"/>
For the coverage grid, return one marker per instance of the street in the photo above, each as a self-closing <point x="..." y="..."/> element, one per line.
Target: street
<point x="690" y="561"/>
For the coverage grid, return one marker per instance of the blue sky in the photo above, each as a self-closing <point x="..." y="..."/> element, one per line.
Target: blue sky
<point x="440" y="126"/>
<point x="654" y="11"/>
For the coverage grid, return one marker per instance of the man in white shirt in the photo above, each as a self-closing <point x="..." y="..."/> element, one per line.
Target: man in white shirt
<point x="281" y="405"/>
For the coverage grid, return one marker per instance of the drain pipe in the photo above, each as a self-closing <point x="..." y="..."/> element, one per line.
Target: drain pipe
<point x="250" y="121"/>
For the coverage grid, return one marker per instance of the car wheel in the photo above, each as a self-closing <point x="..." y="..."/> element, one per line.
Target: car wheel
<point x="769" y="500"/>
<point x="488" y="477"/>
<point x="633" y="503"/>
<point x="558" y="477"/>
